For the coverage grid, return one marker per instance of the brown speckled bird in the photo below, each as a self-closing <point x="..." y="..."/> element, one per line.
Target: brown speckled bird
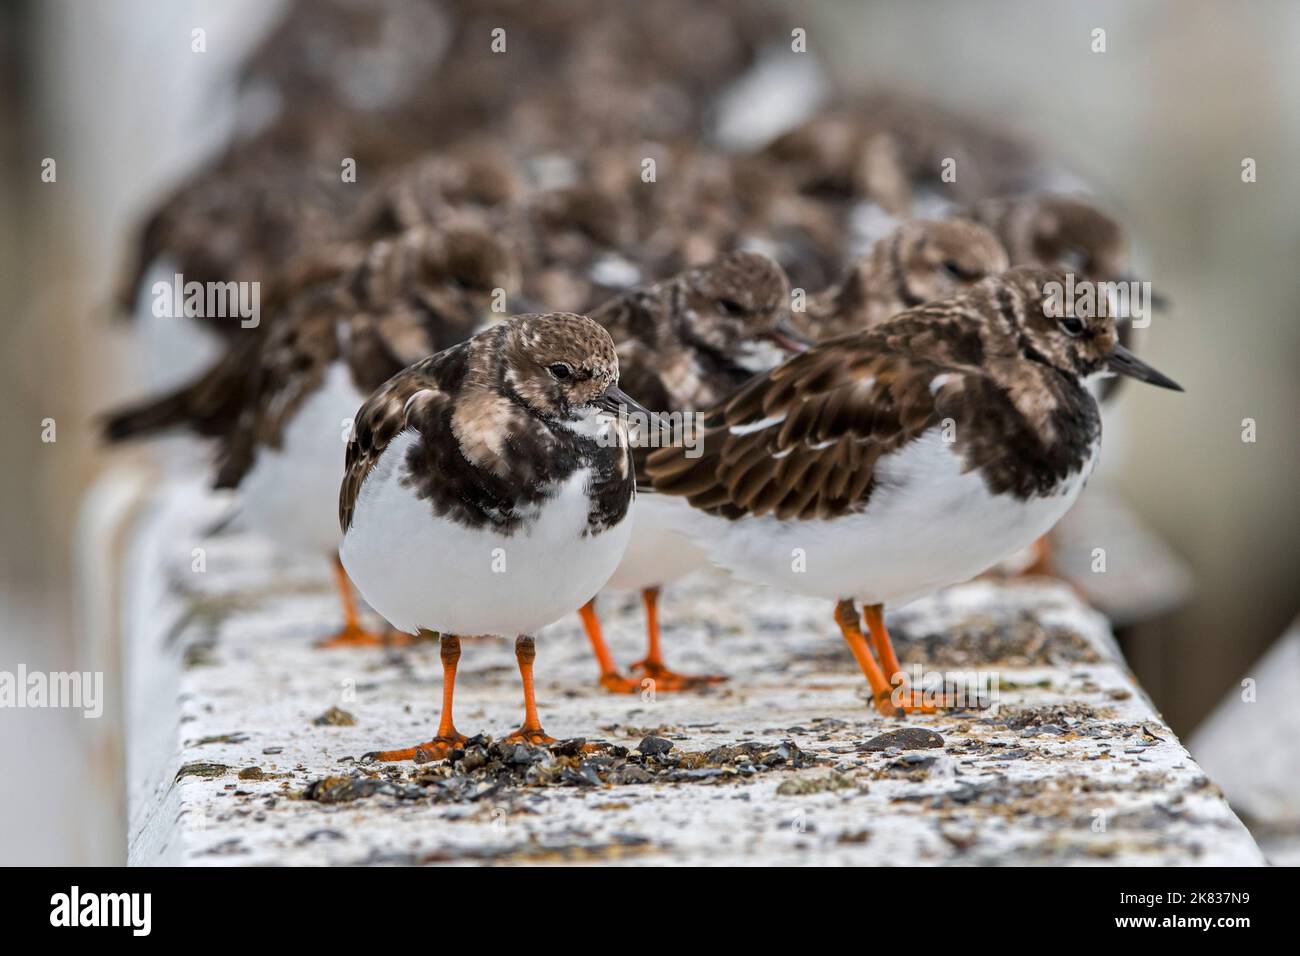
<point x="684" y="344"/>
<point x="240" y="220"/>
<point x="1062" y="232"/>
<point x="279" y="404"/>
<point x="488" y="491"/>
<point x="883" y="466"/>
<point x="388" y="83"/>
<point x="1055" y="232"/>
<point x="922" y="260"/>
<point x="884" y="146"/>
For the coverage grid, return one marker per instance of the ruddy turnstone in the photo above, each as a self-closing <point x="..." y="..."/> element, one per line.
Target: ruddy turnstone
<point x="684" y="344"/>
<point x="708" y="203"/>
<point x="886" y="146"/>
<point x="1063" y="232"/>
<point x="385" y="83"/>
<point x="460" y="185"/>
<point x="920" y="261"/>
<point x="488" y="491"/>
<point x="237" y="220"/>
<point x="1055" y="232"/>
<point x="279" y="405"/>
<point x="883" y="466"/>
<point x="632" y="71"/>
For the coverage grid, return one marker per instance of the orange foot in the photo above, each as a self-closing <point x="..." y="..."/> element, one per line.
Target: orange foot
<point x="538" y="737"/>
<point x="352" y="635"/>
<point x="439" y="748"/>
<point x="902" y="702"/>
<point x="616" y="683"/>
<point x="395" y="638"/>
<point x="1042" y="563"/>
<point x="669" y="680"/>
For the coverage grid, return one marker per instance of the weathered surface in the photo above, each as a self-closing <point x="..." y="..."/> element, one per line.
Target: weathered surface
<point x="1251" y="743"/>
<point x="230" y="761"/>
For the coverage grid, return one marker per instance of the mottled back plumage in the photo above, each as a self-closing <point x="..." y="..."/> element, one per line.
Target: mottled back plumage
<point x="884" y="145"/>
<point x="499" y="419"/>
<point x="1056" y="232"/>
<point x="919" y="262"/>
<point x="399" y="300"/>
<point x="694" y="338"/>
<point x="803" y="440"/>
<point x="689" y="341"/>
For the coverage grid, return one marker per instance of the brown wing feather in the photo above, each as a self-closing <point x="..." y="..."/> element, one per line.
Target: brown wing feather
<point x="321" y="326"/>
<point x="388" y="412"/>
<point x="288" y="365"/>
<point x="832" y="411"/>
<point x="207" y="405"/>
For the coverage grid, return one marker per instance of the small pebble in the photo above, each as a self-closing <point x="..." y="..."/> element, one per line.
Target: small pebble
<point x="652" y="746"/>
<point x="335" y="717"/>
<point x="906" y="738"/>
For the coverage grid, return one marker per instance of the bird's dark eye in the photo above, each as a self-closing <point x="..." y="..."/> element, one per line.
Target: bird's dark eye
<point x="1075" y="259"/>
<point x="561" y="371"/>
<point x="959" y="272"/>
<point x="732" y="307"/>
<point x="473" y="280"/>
<point x="1072" y="326"/>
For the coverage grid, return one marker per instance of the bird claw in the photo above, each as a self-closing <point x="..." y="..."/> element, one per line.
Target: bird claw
<point x="616" y="683"/>
<point x="440" y="748"/>
<point x="900" y="703"/>
<point x="536" y="737"/>
<point x="665" y="679"/>
<point x="353" y="636"/>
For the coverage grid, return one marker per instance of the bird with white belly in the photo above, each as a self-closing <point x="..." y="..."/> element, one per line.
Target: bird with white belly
<point x="279" y="404"/>
<point x="883" y="466"/>
<point x="683" y="344"/>
<point x="488" y="491"/>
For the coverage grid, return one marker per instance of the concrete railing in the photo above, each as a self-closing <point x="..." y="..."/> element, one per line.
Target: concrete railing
<point x="242" y="740"/>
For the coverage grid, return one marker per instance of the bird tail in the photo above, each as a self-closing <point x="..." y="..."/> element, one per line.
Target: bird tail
<point x="149" y="417"/>
<point x="207" y="406"/>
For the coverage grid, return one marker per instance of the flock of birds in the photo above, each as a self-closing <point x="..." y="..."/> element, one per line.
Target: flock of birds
<point x="886" y="405"/>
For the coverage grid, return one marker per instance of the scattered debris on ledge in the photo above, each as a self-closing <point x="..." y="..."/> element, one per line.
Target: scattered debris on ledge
<point x="244" y="741"/>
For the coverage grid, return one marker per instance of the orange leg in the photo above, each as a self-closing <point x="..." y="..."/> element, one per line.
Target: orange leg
<point x="652" y="665"/>
<point x="531" y="731"/>
<point x="1042" y="562"/>
<point x="903" y="697"/>
<point x="353" y="634"/>
<point x="448" y="739"/>
<point x="846" y="616"/>
<point x="610" y="678"/>
<point x="874" y="616"/>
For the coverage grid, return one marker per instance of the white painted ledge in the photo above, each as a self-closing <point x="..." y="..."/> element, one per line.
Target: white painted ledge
<point x="1073" y="767"/>
<point x="1251" y="743"/>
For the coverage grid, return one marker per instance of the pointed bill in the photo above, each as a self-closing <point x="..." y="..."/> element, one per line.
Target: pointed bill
<point x="1124" y="362"/>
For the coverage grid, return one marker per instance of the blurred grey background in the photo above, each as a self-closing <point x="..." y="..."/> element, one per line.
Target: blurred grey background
<point x="1158" y="125"/>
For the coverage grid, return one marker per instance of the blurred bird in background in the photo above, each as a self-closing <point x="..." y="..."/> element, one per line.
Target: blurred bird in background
<point x="577" y="157"/>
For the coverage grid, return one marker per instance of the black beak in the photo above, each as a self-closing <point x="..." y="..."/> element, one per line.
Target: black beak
<point x="789" y="338"/>
<point x="1124" y="362"/>
<point x="613" y="399"/>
